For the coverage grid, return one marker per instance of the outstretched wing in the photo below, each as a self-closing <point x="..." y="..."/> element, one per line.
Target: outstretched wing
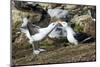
<point x="33" y="29"/>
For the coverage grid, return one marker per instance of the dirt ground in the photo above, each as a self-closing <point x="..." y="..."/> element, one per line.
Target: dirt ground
<point x="68" y="54"/>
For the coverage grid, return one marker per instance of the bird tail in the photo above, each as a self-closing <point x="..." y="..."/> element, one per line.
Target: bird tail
<point x="87" y="40"/>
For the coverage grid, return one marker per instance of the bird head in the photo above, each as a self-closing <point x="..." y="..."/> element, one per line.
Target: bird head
<point x="25" y="21"/>
<point x="64" y="24"/>
<point x="53" y="24"/>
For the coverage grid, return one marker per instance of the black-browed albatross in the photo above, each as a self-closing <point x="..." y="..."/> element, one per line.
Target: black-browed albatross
<point x="36" y="34"/>
<point x="74" y="37"/>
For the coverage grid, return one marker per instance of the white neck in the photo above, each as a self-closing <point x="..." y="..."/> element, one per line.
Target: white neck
<point x="48" y="29"/>
<point x="69" y="30"/>
<point x="25" y="21"/>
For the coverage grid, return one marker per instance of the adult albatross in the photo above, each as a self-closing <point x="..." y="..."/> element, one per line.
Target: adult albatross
<point x="36" y="34"/>
<point x="59" y="15"/>
<point x="74" y="37"/>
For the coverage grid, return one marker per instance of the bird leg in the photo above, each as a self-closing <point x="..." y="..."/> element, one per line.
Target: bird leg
<point x="35" y="50"/>
<point x="38" y="47"/>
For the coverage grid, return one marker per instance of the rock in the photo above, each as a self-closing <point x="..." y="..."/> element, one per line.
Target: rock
<point x="44" y="5"/>
<point x="17" y="16"/>
<point x="70" y="7"/>
<point x="21" y="41"/>
<point x="23" y="5"/>
<point x="80" y="19"/>
<point x="90" y="29"/>
<point x="35" y="17"/>
<point x="86" y="23"/>
<point x="36" y="11"/>
<point x="52" y="6"/>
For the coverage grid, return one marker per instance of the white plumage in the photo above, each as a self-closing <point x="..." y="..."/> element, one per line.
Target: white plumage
<point x="24" y="27"/>
<point x="58" y="32"/>
<point x="70" y="33"/>
<point x="42" y="33"/>
<point x="58" y="13"/>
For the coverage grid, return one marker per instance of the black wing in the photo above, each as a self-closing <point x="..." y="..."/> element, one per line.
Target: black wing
<point x="84" y="38"/>
<point x="33" y="29"/>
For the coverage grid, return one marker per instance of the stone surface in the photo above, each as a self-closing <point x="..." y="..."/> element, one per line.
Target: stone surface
<point x="70" y="7"/>
<point x="86" y="22"/>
